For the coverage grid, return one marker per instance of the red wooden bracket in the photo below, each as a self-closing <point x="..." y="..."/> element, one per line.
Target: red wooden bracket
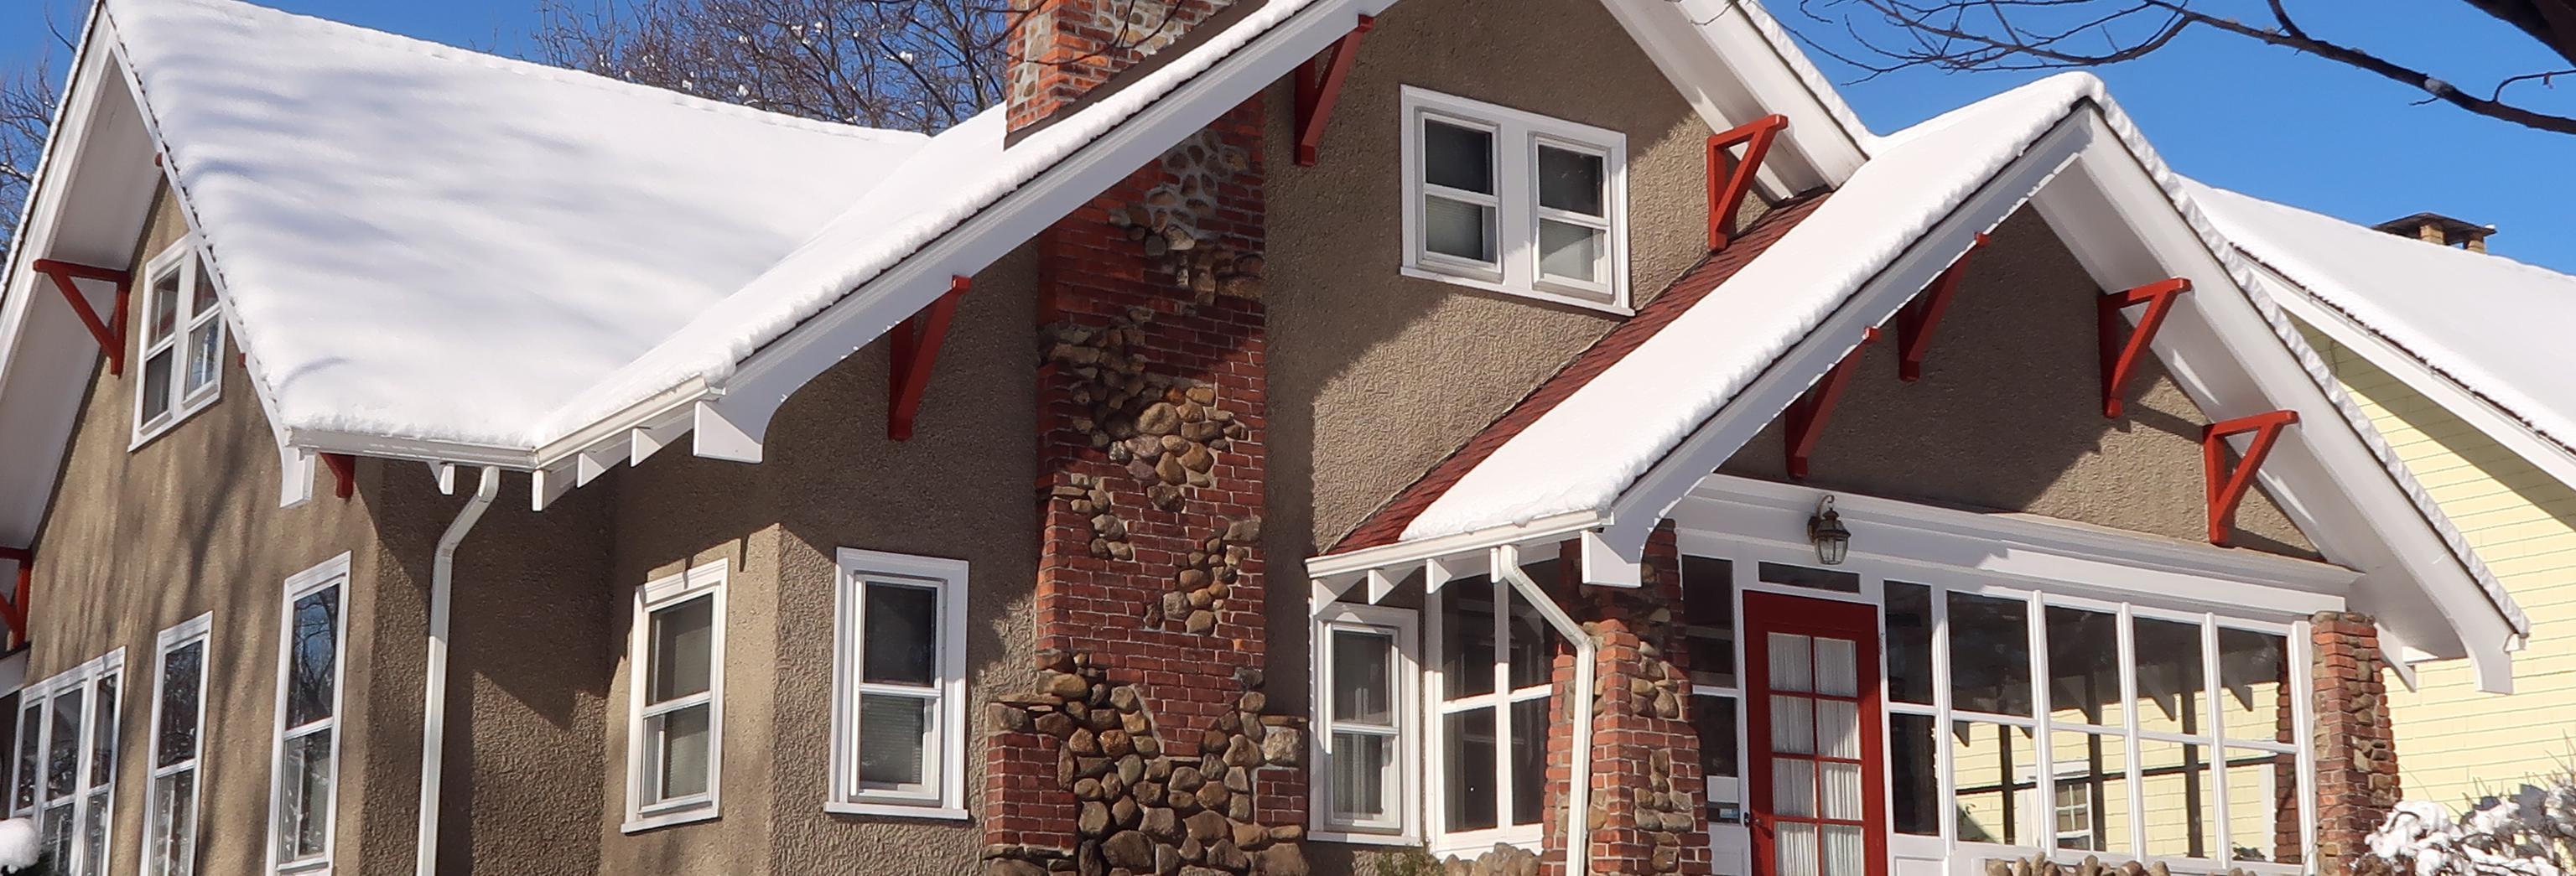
<point x="2120" y="361"/>
<point x="110" y="332"/>
<point x="1727" y="188"/>
<point x="344" y="473"/>
<point x="1805" y="418"/>
<point x="916" y="349"/>
<point x="14" y="612"/>
<point x="1915" y="323"/>
<point x="2227" y="488"/>
<point x="1320" y="87"/>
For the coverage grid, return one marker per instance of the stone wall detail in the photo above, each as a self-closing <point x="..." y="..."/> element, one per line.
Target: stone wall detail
<point x="2092" y="865"/>
<point x="1181" y="223"/>
<point x="2356" y="748"/>
<point x="1062" y="49"/>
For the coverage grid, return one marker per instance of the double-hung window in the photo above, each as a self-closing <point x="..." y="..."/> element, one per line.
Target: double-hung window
<point x="1365" y="655"/>
<point x="1509" y="201"/>
<point x="313" y="642"/>
<point x="181" y="343"/>
<point x="899" y="705"/>
<point x="675" y="724"/>
<point x="178" y="721"/>
<point x="67" y="762"/>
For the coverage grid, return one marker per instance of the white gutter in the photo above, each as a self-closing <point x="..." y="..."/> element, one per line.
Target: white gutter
<point x="433" y="718"/>
<point x="1578" y="799"/>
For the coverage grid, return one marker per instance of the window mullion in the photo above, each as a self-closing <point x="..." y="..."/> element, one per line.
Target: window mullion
<point x="2131" y="750"/>
<point x="2044" y="781"/>
<point x="1501" y="699"/>
<point x="2209" y="687"/>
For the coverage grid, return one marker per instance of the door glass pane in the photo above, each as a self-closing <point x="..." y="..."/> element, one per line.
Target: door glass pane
<point x="1837" y="668"/>
<point x="900" y="644"/>
<point x="2091" y="807"/>
<point x="1792" y="667"/>
<point x="1570" y="251"/>
<point x="1838" y="729"/>
<point x="2084" y="666"/>
<point x="1457" y="157"/>
<point x="175" y="739"/>
<point x="1469" y="765"/>
<point x="2172" y="696"/>
<point x="1363" y="677"/>
<point x="1839" y="788"/>
<point x="1797" y="849"/>
<point x="1909" y="643"/>
<point x="1458" y="228"/>
<point x="1912" y="759"/>
<point x="683" y="736"/>
<point x="2181" y="806"/>
<point x="1994" y="768"/>
<point x="1570" y="181"/>
<point x="2263" y="805"/>
<point x="1708" y="619"/>
<point x="1467" y="638"/>
<point x="313" y="659"/>
<point x="894" y="740"/>
<point x="1793" y="724"/>
<point x="1845" y="850"/>
<point x="1533" y="643"/>
<point x="1793" y="787"/>
<point x="1360" y="763"/>
<point x="2254" y="686"/>
<point x="1529" y="761"/>
<point x="1990" y="654"/>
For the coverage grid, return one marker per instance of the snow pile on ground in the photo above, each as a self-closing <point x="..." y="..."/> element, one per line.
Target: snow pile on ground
<point x="18" y="845"/>
<point x="2531" y="832"/>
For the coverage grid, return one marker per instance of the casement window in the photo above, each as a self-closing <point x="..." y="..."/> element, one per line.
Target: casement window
<point x="180" y="343"/>
<point x="178" y="723"/>
<point x="899" y="689"/>
<point x="1488" y="713"/>
<point x="67" y="763"/>
<point x="1365" y="728"/>
<point x="1508" y="201"/>
<point x="313" y="645"/>
<point x="675" y="721"/>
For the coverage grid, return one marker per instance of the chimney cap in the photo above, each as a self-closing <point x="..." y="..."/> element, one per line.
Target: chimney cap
<point x="2454" y="230"/>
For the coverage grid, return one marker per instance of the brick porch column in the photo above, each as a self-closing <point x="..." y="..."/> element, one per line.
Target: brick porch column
<point x="2355" y="746"/>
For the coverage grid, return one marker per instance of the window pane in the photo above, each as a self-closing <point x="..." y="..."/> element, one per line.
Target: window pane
<point x="182" y="669"/>
<point x="1360" y="765"/>
<point x="683" y="649"/>
<point x="1714" y="718"/>
<point x="1457" y="157"/>
<point x="58" y="831"/>
<point x="1837" y="667"/>
<point x="894" y="741"/>
<point x="203" y="299"/>
<point x="1468" y="795"/>
<point x="1912" y="759"/>
<point x="681" y="741"/>
<point x="2263" y="805"/>
<point x="165" y="308"/>
<point x="156" y="384"/>
<point x="102" y="736"/>
<point x="1989" y="654"/>
<point x="1792" y="662"/>
<point x="1993" y="764"/>
<point x="901" y="641"/>
<point x="1802" y="576"/>
<point x="1839" y="787"/>
<point x="1909" y="643"/>
<point x="1798" y="855"/>
<point x="31" y="724"/>
<point x="2084" y="666"/>
<point x="1845" y="851"/>
<point x="172" y="847"/>
<point x="94" y="835"/>
<point x="62" y="747"/>
<point x="1838" y="729"/>
<point x="1793" y="787"/>
<point x="205" y="343"/>
<point x="2171" y="692"/>
<point x="1793" y="724"/>
<point x="304" y="813"/>
<point x="1458" y="228"/>
<point x="2254" y="686"/>
<point x="314" y="652"/>
<point x="2091" y="811"/>
<point x="1467" y="637"/>
<point x="1708" y="618"/>
<point x="1363" y="677"/>
<point x="2181" y="806"/>
<point x="1529" y="761"/>
<point x="1570" y="251"/>
<point x="1533" y="642"/>
<point x="1571" y="181"/>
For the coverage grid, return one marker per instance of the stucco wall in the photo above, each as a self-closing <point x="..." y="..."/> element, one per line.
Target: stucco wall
<point x="2008" y="415"/>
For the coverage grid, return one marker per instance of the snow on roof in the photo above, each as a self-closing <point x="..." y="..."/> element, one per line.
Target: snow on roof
<point x="1587" y="451"/>
<point x="424" y="242"/>
<point x="2495" y="326"/>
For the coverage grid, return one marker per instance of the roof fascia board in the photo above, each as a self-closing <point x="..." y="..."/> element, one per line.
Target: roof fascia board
<point x="1687" y="53"/>
<point x="1747" y="41"/>
<point x="2548" y="455"/>
<point x="764" y="380"/>
<point x="1545" y="530"/>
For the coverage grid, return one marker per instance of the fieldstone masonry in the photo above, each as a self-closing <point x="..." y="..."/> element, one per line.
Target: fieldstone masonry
<point x="2356" y="748"/>
<point x="2092" y="865"/>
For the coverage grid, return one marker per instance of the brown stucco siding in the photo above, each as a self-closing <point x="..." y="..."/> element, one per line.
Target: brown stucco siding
<point x="2008" y="414"/>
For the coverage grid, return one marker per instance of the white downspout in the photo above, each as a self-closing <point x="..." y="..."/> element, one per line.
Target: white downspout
<point x="1578" y="799"/>
<point x="433" y="717"/>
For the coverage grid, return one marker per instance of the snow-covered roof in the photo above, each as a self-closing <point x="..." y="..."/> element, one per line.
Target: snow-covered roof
<point x="2493" y="326"/>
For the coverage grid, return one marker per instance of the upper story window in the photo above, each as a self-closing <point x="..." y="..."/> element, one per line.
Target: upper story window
<point x="1509" y="201"/>
<point x="67" y="762"/>
<point x="313" y="641"/>
<point x="899" y="704"/>
<point x="178" y="722"/>
<point x="675" y="722"/>
<point x="181" y="344"/>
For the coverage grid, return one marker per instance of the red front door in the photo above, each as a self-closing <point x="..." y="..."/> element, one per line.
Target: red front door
<point x="1815" y="776"/>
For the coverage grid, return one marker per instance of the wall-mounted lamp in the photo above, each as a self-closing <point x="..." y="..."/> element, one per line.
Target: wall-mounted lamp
<point x="1833" y="542"/>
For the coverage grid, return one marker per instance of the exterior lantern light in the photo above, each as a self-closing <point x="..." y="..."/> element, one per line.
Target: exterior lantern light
<point x="1833" y="542"/>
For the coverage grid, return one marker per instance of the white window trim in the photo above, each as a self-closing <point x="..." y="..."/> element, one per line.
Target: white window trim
<point x="39" y="698"/>
<point x="198" y="630"/>
<point x="1407" y="790"/>
<point x="1500" y="701"/>
<point x="331" y="573"/>
<point x="708" y="582"/>
<point x="1515" y="201"/>
<point x="180" y="258"/>
<point x="948" y="578"/>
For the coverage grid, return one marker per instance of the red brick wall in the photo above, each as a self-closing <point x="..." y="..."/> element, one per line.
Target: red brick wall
<point x="1062" y="49"/>
<point x="2355" y="747"/>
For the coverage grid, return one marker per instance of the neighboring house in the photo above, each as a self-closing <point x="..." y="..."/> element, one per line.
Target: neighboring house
<point x="1328" y="433"/>
<point x="2461" y="359"/>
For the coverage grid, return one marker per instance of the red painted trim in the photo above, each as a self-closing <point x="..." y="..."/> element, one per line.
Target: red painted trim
<point x="1319" y="88"/>
<point x="915" y="350"/>
<point x="2120" y="361"/>
<point x="1767" y="613"/>
<point x="109" y="332"/>
<point x="1915" y="324"/>
<point x="344" y="470"/>
<point x="14" y="612"/>
<point x="1726" y="194"/>
<point x="2227" y="488"/>
<point x="1805" y="418"/>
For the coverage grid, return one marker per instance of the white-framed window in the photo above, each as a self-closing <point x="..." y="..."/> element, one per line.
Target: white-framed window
<point x="178" y="739"/>
<point x="1487" y="699"/>
<point x="67" y="762"/>
<point x="675" y="717"/>
<point x="179" y="342"/>
<point x="899" y="686"/>
<point x="312" y="647"/>
<point x="1365" y="734"/>
<point x="1509" y="201"/>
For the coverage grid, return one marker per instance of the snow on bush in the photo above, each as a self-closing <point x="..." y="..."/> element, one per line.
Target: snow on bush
<point x="2531" y="832"/>
<point x="18" y="846"/>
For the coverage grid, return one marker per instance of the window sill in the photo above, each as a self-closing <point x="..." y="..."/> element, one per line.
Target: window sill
<point x="172" y="420"/>
<point x="304" y="868"/>
<point x="1472" y="843"/>
<point x="896" y="810"/>
<point x="671" y="818"/>
<point x="1421" y="273"/>
<point x="1324" y="834"/>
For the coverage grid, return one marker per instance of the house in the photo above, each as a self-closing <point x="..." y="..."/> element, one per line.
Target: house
<point x="1305" y="436"/>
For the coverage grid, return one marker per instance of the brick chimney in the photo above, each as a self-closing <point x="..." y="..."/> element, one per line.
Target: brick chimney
<point x="2440" y="230"/>
<point x="1066" y="49"/>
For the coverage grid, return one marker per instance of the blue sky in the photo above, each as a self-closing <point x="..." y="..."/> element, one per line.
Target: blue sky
<point x="2232" y="112"/>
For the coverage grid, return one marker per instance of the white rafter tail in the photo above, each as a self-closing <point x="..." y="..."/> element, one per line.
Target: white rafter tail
<point x="589" y="465"/>
<point x="445" y="474"/>
<point x="644" y="441"/>
<point x="719" y="436"/>
<point x="548" y="484"/>
<point x="1435" y="572"/>
<point x="1609" y="562"/>
<point x="1330" y="589"/>
<point x="1379" y="585"/>
<point x="295" y="477"/>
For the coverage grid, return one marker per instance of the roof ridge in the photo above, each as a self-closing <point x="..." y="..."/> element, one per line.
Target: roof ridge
<point x="2502" y="260"/>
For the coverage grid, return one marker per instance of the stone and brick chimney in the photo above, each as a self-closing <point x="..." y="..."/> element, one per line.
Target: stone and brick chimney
<point x="1150" y="744"/>
<point x="2356" y="747"/>
<point x="2435" y="228"/>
